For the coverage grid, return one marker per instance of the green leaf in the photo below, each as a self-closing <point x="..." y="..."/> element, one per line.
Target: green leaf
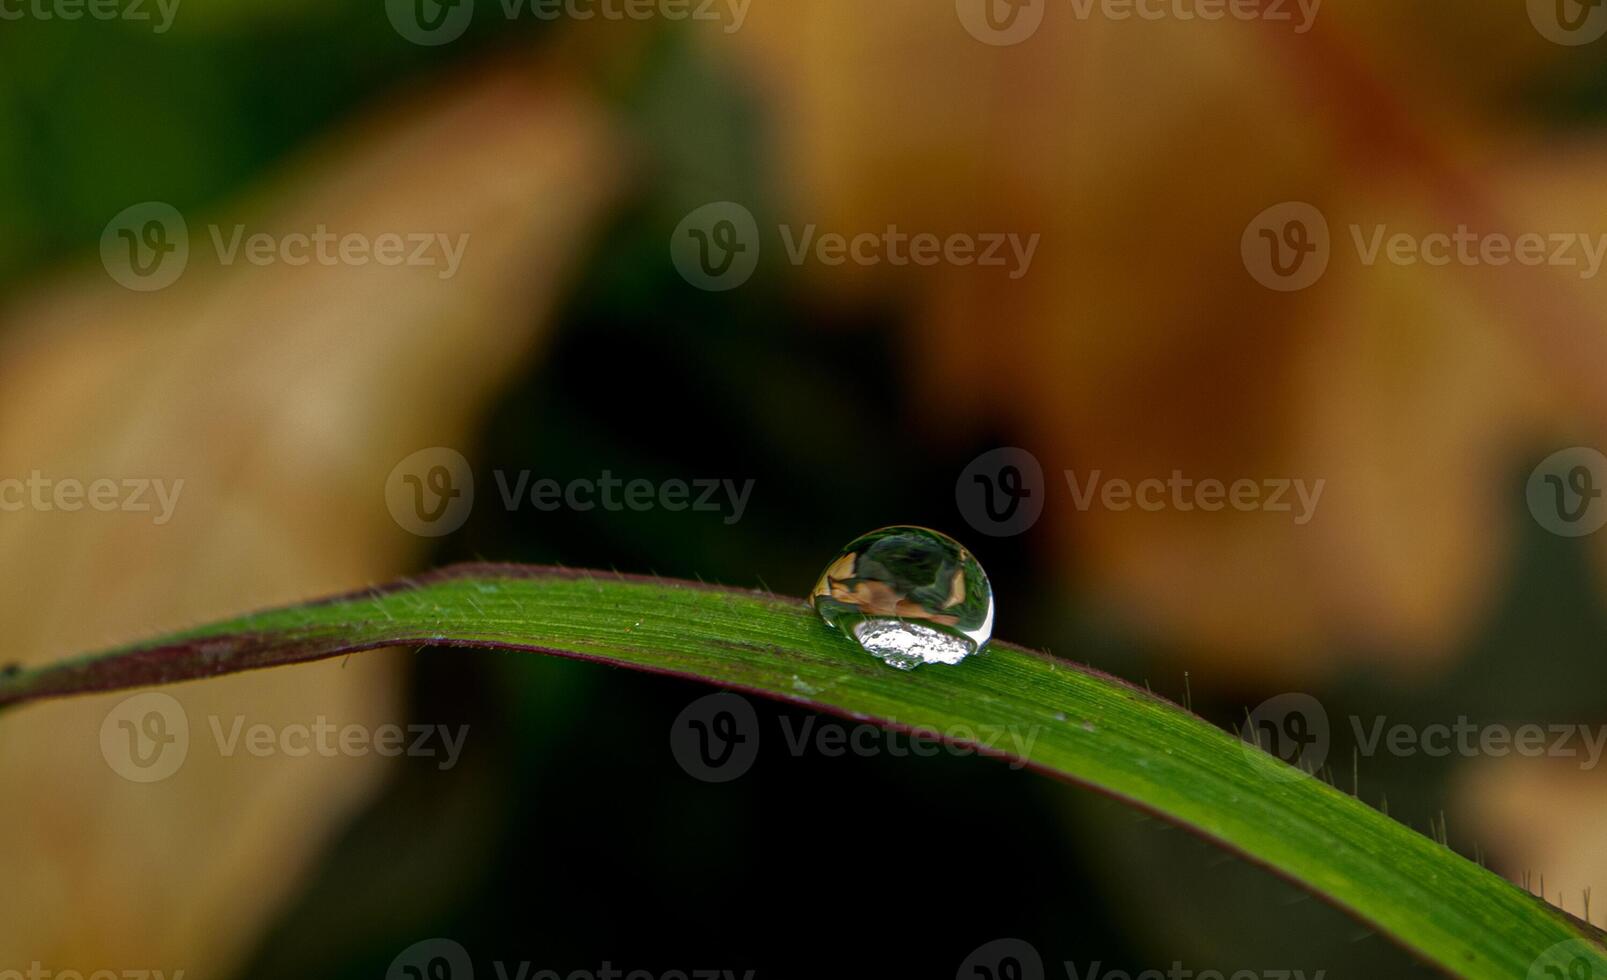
<point x="1065" y="720"/>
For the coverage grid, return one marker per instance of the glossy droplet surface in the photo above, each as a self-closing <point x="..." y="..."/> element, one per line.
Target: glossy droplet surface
<point x="908" y="596"/>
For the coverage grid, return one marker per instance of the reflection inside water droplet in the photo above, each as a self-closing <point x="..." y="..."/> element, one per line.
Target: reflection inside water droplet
<point x="909" y="596"/>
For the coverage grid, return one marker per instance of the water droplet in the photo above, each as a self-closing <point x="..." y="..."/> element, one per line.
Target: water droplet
<point x="908" y="595"/>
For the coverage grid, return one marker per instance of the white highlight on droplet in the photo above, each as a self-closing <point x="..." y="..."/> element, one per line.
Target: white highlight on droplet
<point x="906" y="645"/>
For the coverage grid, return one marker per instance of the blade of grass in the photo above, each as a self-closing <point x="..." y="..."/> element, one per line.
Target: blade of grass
<point x="1068" y="721"/>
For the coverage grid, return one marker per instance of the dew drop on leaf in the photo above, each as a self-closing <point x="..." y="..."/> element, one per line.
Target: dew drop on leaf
<point x="908" y="596"/>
